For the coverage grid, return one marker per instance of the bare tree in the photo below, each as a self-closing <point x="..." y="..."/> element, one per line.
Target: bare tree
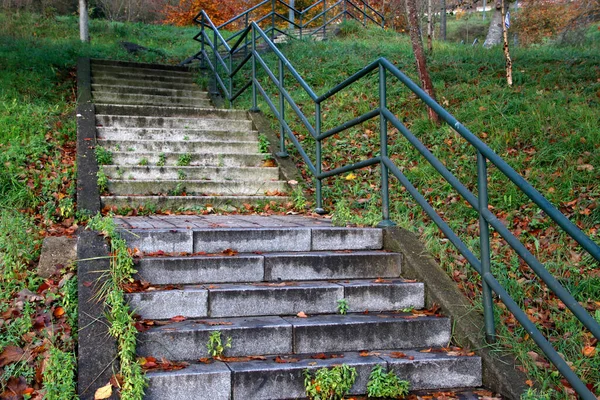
<point x="417" y="45"/>
<point x="429" y="26"/>
<point x="84" y="30"/>
<point x="509" y="77"/>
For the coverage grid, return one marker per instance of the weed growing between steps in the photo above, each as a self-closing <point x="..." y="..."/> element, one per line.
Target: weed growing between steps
<point x="386" y="384"/>
<point x="215" y="345"/>
<point x="329" y="383"/>
<point x="546" y="128"/>
<point x="120" y="317"/>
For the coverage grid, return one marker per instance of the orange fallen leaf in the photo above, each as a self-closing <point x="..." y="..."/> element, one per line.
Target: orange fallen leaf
<point x="589" y="351"/>
<point x="59" y="312"/>
<point x="178" y="318"/>
<point x="301" y="314"/>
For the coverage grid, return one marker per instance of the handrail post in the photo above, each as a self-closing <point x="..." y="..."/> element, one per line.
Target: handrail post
<point x="273" y="20"/>
<point x="282" y="151"/>
<point x="216" y="61"/>
<point x="301" y="24"/>
<point x="324" y="18"/>
<point x="319" y="182"/>
<point x="484" y="240"/>
<point x="246" y="39"/>
<point x="202" y="61"/>
<point x="365" y="13"/>
<point x="385" y="190"/>
<point x="345" y="10"/>
<point x="254" y="94"/>
<point x="230" y="105"/>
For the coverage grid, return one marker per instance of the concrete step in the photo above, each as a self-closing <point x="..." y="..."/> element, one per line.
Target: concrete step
<point x="121" y="187"/>
<point x="193" y="203"/>
<point x="141" y="72"/>
<point x="98" y="63"/>
<point x="112" y="78"/>
<point x="285" y="298"/>
<point x="299" y="241"/>
<point x="144" y="99"/>
<point x="205" y="123"/>
<point x="220" y="160"/>
<point x="261" y="267"/>
<point x="141" y="173"/>
<point x="190" y="92"/>
<point x="291" y="335"/>
<point x="184" y="146"/>
<point x="175" y="134"/>
<point x="162" y="111"/>
<point x="269" y="379"/>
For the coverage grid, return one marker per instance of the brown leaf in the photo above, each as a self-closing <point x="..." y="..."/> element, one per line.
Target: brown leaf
<point x="59" y="312"/>
<point x="229" y="252"/>
<point x="397" y="354"/>
<point x="10" y="355"/>
<point x="103" y="393"/>
<point x="179" y="318"/>
<point x="302" y="314"/>
<point x="589" y="351"/>
<point x="286" y="360"/>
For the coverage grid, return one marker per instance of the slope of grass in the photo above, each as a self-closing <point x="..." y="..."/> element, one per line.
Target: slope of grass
<point x="547" y="127"/>
<point x="38" y="56"/>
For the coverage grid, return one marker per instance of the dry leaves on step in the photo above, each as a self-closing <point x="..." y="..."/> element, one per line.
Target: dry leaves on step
<point x="103" y="393"/>
<point x="301" y="314"/>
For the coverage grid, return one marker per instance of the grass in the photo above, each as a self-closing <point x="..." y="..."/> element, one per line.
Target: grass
<point x="38" y="56"/>
<point x="546" y="127"/>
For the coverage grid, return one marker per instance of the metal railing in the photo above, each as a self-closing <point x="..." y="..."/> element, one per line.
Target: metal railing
<point x="210" y="54"/>
<point x="312" y="21"/>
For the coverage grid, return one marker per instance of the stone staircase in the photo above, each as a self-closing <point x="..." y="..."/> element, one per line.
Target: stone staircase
<point x="169" y="148"/>
<point x="272" y="285"/>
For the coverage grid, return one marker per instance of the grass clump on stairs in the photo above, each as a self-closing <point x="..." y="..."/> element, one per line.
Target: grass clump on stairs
<point x="329" y="383"/>
<point x="120" y="317"/>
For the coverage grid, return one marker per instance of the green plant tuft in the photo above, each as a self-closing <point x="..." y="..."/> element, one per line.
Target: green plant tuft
<point x="215" y="345"/>
<point x="329" y="383"/>
<point x="103" y="156"/>
<point x="386" y="384"/>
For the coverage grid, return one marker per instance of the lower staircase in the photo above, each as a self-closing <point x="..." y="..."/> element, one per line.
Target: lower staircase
<point x="164" y="146"/>
<point x="275" y="289"/>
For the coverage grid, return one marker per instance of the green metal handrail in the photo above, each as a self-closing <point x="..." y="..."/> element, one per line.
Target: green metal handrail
<point x="479" y="203"/>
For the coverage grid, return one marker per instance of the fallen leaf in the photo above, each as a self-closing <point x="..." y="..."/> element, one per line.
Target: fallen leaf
<point x="229" y="252"/>
<point x="178" y="318"/>
<point x="301" y="314"/>
<point x="59" y="312"/>
<point x="282" y="360"/>
<point x="103" y="393"/>
<point x="350" y="177"/>
<point x="10" y="355"/>
<point x="589" y="351"/>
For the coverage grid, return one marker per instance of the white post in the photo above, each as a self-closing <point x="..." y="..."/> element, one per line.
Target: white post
<point x="84" y="31"/>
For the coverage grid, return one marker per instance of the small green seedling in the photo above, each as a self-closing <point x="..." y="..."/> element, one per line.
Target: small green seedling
<point x="342" y="306"/>
<point x="143" y="162"/>
<point x="103" y="156"/>
<point x="386" y="384"/>
<point x="215" y="345"/>
<point x="329" y="383"/>
<point x="184" y="160"/>
<point x="162" y="160"/>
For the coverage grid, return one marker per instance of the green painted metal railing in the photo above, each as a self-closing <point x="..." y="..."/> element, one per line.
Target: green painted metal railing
<point x="210" y="54"/>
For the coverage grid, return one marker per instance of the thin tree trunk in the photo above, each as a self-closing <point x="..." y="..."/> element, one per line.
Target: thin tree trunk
<point x="509" y="78"/>
<point x="429" y="27"/>
<point x="84" y="30"/>
<point x="417" y="45"/>
<point x="443" y="20"/>
<point x="494" y="36"/>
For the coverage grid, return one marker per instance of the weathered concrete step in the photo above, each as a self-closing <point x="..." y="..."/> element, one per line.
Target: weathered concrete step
<point x="140" y="72"/>
<point x="214" y="124"/>
<point x="294" y="240"/>
<point x="196" y="187"/>
<point x="98" y="63"/>
<point x="285" y="298"/>
<point x="191" y="92"/>
<point x="175" y="134"/>
<point x="193" y="203"/>
<point x="141" y="173"/>
<point x="109" y="80"/>
<point x="220" y="160"/>
<point x="183" y="146"/>
<point x="259" y="267"/>
<point x="291" y="335"/>
<point x="152" y="111"/>
<point x="271" y="380"/>
<point x="119" y="78"/>
<point x="144" y="99"/>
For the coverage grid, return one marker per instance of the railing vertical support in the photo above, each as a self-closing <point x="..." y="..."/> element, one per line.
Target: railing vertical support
<point x="202" y="61"/>
<point x="246" y="39"/>
<point x="273" y="20"/>
<point x="319" y="182"/>
<point x="216" y="62"/>
<point x="301" y="24"/>
<point x="364" y="13"/>
<point x="484" y="240"/>
<point x="282" y="151"/>
<point x="345" y="10"/>
<point x="230" y="102"/>
<point x="385" y="178"/>
<point x="254" y="94"/>
<point x="324" y="18"/>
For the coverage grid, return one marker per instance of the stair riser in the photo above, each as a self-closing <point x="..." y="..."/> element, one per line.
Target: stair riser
<point x="274" y="335"/>
<point x="276" y="240"/>
<point x="172" y="173"/>
<point x="225" y="188"/>
<point x="132" y="99"/>
<point x="108" y="78"/>
<point x="145" y="83"/>
<point x="258" y="380"/>
<point x="151" y="111"/>
<point x="191" y="92"/>
<point x="198" y="160"/>
<point x="175" y="135"/>
<point x="184" y="146"/>
<point x="99" y="63"/>
<point x="219" y="301"/>
<point x="139" y="72"/>
<point x="221" y="203"/>
<point x="119" y="121"/>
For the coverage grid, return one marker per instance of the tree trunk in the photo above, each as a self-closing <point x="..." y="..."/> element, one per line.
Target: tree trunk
<point x="494" y="36"/>
<point x="429" y="27"/>
<point x="509" y="78"/>
<point x="443" y="20"/>
<point x="84" y="30"/>
<point x="417" y="45"/>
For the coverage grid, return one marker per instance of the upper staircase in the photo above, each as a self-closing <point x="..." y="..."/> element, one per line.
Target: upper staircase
<point x="166" y="147"/>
